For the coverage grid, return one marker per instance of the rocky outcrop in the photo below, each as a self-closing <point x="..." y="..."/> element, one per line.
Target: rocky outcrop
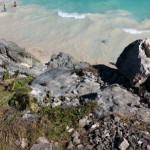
<point x="13" y="58"/>
<point x="118" y="111"/>
<point x="66" y="82"/>
<point x="65" y="60"/>
<point x="116" y="99"/>
<point x="134" y="62"/>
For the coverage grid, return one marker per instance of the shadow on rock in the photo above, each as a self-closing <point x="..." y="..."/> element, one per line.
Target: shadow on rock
<point x="111" y="75"/>
<point x="88" y="97"/>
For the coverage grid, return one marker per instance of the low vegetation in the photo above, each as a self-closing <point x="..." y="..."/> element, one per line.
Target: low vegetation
<point x="51" y="122"/>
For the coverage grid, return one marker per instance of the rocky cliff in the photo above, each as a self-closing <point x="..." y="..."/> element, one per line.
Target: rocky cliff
<point x="66" y="104"/>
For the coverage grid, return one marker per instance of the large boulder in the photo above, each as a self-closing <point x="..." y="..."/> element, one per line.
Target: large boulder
<point x="65" y="82"/>
<point x="14" y="58"/>
<point x="115" y="99"/>
<point x="134" y="62"/>
<point x="14" y="53"/>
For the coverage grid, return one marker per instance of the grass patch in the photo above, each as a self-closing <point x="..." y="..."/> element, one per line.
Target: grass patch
<point x="52" y="122"/>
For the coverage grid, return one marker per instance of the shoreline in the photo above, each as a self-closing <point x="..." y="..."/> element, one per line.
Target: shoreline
<point x="97" y="38"/>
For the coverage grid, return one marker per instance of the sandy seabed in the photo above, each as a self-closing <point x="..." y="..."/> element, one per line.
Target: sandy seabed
<point x="95" y="38"/>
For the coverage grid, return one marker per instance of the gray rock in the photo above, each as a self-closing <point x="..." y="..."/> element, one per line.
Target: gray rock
<point x="117" y="99"/>
<point x="70" y="145"/>
<point x="80" y="147"/>
<point x="76" y="140"/>
<point x="17" y="142"/>
<point x="14" y="53"/>
<point x="134" y="62"/>
<point x="42" y="140"/>
<point x="62" y="82"/>
<point x="55" y="146"/>
<point x="65" y="60"/>
<point x="148" y="147"/>
<point x="41" y="146"/>
<point x="83" y="122"/>
<point x="123" y="145"/>
<point x="14" y="58"/>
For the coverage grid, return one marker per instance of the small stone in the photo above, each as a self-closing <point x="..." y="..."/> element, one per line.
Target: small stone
<point x="75" y="134"/>
<point x="74" y="92"/>
<point x="42" y="140"/>
<point x="71" y="130"/>
<point x="41" y="146"/>
<point x="99" y="147"/>
<point x="95" y="126"/>
<point x="80" y="147"/>
<point x="148" y="147"/>
<point x="124" y="144"/>
<point x="24" y="143"/>
<point x="55" y="146"/>
<point x="70" y="145"/>
<point x="140" y="142"/>
<point x="54" y="104"/>
<point x="67" y="127"/>
<point x="76" y="140"/>
<point x="88" y="147"/>
<point x="82" y="122"/>
<point x="17" y="142"/>
<point x="67" y="99"/>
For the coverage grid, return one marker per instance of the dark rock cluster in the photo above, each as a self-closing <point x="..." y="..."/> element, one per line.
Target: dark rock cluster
<point x="110" y="133"/>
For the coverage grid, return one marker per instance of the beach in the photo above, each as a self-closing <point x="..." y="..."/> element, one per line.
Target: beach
<point x="95" y="38"/>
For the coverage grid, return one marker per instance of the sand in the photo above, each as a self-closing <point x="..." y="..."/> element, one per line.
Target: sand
<point x="95" y="38"/>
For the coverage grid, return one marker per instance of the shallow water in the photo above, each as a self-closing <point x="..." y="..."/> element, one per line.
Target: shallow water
<point x="139" y="9"/>
<point x="88" y="32"/>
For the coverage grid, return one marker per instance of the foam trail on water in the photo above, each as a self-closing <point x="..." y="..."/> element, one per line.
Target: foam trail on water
<point x="71" y="15"/>
<point x="134" y="31"/>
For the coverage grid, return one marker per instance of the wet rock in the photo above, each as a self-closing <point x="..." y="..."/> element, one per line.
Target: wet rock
<point x="134" y="62"/>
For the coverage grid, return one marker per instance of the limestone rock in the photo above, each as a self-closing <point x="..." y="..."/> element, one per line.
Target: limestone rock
<point x="134" y="62"/>
<point x="123" y="145"/>
<point x="14" y="58"/>
<point x="63" y="81"/>
<point x="65" y="60"/>
<point x="41" y="146"/>
<point x="24" y="143"/>
<point x="42" y="140"/>
<point x="115" y="99"/>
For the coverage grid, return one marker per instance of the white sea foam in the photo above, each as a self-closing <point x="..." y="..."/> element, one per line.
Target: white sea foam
<point x="71" y="15"/>
<point x="134" y="31"/>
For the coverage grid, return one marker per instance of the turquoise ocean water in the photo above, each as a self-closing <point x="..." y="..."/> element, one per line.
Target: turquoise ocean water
<point x="139" y="9"/>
